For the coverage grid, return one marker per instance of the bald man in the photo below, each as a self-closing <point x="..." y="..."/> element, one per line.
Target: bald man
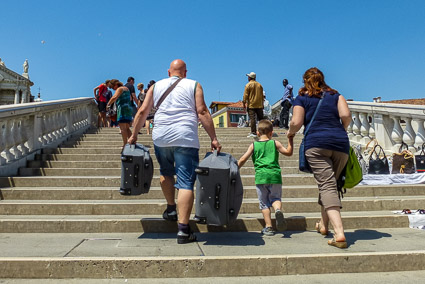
<point x="176" y="143"/>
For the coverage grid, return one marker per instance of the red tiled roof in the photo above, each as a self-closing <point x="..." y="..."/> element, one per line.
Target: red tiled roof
<point x="407" y="102"/>
<point x="237" y="104"/>
<point x="222" y="103"/>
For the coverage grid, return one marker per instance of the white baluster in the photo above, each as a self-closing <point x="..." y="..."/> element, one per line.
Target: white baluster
<point x="50" y="128"/>
<point x="56" y="125"/>
<point x="23" y="135"/>
<point x="372" y="133"/>
<point x="46" y="130"/>
<point x="28" y="129"/>
<point x="356" y="127"/>
<point x="350" y="129"/>
<point x="14" y="132"/>
<point x="409" y="134"/>
<point x="396" y="134"/>
<point x="2" y="142"/>
<point x="364" y="128"/>
<point x="62" y="119"/>
<point x="420" y="135"/>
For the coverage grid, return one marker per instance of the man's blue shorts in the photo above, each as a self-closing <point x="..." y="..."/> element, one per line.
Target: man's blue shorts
<point x="179" y="161"/>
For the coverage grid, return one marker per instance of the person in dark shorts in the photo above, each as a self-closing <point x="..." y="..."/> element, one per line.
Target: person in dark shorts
<point x="100" y="93"/>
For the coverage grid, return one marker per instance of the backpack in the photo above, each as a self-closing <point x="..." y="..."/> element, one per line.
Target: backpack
<point x="351" y="175"/>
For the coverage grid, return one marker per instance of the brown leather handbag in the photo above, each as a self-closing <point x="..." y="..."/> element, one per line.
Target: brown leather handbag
<point x="403" y="161"/>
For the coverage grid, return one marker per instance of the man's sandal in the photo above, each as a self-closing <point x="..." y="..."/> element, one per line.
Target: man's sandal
<point x="334" y="243"/>
<point x="319" y="229"/>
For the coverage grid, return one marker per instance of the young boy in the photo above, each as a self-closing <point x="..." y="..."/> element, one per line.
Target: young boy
<point x="268" y="176"/>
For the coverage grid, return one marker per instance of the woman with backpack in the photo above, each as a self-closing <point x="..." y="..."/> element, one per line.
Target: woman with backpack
<point x="326" y="145"/>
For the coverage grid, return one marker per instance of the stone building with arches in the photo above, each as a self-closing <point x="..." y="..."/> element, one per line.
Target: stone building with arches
<point x="14" y="88"/>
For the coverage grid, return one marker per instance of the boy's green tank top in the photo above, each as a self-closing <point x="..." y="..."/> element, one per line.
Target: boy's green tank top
<point x="266" y="163"/>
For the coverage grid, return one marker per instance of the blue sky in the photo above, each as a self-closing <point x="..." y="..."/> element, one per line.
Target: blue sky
<point x="365" y="48"/>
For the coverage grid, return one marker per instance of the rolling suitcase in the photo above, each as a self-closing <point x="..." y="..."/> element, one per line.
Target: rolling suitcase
<point x="136" y="170"/>
<point x="219" y="190"/>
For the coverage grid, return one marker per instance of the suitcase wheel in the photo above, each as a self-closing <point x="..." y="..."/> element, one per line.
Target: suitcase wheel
<point x="125" y="191"/>
<point x="233" y="181"/>
<point x="200" y="220"/>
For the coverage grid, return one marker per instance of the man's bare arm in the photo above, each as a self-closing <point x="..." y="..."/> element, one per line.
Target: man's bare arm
<point x="205" y="117"/>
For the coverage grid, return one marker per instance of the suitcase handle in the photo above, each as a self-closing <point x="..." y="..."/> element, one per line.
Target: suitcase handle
<point x="217" y="196"/>
<point x="202" y="171"/>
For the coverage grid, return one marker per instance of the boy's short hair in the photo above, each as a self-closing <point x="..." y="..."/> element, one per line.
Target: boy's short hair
<point x="265" y="126"/>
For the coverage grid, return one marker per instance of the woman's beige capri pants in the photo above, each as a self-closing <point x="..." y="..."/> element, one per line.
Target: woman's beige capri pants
<point x="327" y="165"/>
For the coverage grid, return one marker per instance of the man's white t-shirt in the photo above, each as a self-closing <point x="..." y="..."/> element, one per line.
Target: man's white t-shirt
<point x="176" y="120"/>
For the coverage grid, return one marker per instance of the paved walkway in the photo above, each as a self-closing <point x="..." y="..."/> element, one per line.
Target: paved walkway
<point x="208" y="244"/>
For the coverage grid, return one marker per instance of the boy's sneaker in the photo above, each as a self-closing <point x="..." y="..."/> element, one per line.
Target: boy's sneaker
<point x="267" y="231"/>
<point x="169" y="216"/>
<point x="280" y="221"/>
<point x="251" y="135"/>
<point x="183" y="238"/>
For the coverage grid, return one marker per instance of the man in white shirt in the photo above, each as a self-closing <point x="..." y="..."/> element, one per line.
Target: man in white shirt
<point x="176" y="142"/>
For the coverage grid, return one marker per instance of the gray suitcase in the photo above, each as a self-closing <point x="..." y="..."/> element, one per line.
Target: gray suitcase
<point x="136" y="170"/>
<point x="219" y="190"/>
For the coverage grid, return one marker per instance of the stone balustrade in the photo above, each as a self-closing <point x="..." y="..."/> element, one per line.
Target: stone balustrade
<point x="390" y="124"/>
<point x="27" y="128"/>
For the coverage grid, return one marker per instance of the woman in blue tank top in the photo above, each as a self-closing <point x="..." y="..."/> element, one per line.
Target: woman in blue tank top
<point x="326" y="145"/>
<point x="124" y="108"/>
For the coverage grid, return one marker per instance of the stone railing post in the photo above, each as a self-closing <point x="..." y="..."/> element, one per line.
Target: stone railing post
<point x="383" y="127"/>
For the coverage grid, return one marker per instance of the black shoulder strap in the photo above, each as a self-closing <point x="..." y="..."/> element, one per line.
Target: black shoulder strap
<point x="167" y="92"/>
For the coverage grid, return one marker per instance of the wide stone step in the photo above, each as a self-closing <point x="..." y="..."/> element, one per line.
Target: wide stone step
<point x="112" y="171"/>
<point x="236" y="152"/>
<point x="112" y="193"/>
<point x="155" y="223"/>
<point x="45" y="258"/>
<point x="205" y="146"/>
<point x="157" y="206"/>
<point x="112" y="181"/>
<point x="115" y="162"/>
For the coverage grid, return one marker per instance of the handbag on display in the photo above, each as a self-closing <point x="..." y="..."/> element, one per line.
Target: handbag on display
<point x="303" y="163"/>
<point x="378" y="162"/>
<point x="420" y="160"/>
<point x="403" y="162"/>
<point x="362" y="161"/>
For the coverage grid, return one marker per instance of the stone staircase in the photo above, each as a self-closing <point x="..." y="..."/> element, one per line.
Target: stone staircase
<point x="73" y="191"/>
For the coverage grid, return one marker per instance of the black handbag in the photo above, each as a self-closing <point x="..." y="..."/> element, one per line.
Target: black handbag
<point x="403" y="162"/>
<point x="420" y="160"/>
<point x="378" y="165"/>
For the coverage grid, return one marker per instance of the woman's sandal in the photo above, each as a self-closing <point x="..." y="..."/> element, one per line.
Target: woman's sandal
<point x="334" y="243"/>
<point x="319" y="229"/>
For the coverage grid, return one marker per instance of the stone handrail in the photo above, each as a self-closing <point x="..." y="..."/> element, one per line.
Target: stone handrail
<point x="27" y="128"/>
<point x="390" y="124"/>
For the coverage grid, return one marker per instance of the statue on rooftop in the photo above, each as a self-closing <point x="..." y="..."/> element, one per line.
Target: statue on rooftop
<point x="2" y="63"/>
<point x="26" y="66"/>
